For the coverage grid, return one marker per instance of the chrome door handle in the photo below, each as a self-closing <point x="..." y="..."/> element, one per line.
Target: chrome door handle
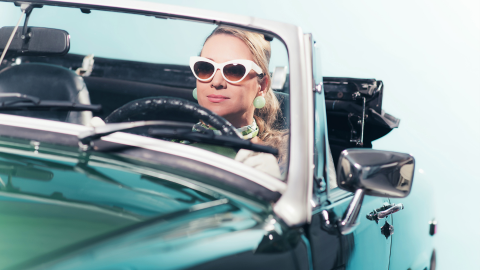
<point x="384" y="211"/>
<point x="391" y="210"/>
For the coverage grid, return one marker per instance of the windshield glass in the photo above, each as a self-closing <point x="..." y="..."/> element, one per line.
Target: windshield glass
<point x="137" y="67"/>
<point x="51" y="204"/>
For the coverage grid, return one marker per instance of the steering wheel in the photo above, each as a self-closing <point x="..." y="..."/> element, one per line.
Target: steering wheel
<point x="168" y="108"/>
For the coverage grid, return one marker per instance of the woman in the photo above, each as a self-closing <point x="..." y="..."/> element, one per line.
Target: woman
<point x="233" y="81"/>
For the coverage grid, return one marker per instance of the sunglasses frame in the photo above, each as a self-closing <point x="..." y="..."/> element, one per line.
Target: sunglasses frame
<point x="248" y="64"/>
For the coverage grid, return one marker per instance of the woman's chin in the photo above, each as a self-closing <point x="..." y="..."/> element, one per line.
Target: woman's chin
<point x="219" y="110"/>
<point x="223" y="110"/>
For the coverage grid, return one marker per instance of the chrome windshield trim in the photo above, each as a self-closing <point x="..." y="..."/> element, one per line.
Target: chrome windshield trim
<point x="41" y="124"/>
<point x="171" y="148"/>
<point x="162" y="10"/>
<point x="294" y="208"/>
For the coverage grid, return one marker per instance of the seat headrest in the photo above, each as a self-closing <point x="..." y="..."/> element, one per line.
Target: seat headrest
<point x="45" y="81"/>
<point x="283" y="122"/>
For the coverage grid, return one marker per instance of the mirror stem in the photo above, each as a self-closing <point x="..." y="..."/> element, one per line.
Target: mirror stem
<point x="24" y="36"/>
<point x="27" y="8"/>
<point x="349" y="220"/>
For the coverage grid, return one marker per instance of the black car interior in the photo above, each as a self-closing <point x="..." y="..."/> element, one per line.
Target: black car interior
<point x="114" y="83"/>
<point x="46" y="82"/>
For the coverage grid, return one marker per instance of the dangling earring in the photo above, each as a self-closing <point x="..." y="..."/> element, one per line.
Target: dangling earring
<point x="194" y="93"/>
<point x="259" y="102"/>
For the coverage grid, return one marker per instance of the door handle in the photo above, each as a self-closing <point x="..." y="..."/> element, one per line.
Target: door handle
<point x="384" y="211"/>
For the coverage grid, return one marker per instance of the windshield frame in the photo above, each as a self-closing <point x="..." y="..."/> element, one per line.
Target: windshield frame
<point x="294" y="205"/>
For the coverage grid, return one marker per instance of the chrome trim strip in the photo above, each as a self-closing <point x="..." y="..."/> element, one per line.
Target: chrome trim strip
<point x="293" y="207"/>
<point x="176" y="149"/>
<point x="206" y="205"/>
<point x="42" y="124"/>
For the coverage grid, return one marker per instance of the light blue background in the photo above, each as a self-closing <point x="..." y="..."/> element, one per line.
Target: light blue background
<point x="428" y="55"/>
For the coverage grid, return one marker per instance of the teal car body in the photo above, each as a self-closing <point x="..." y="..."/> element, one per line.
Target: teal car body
<point x="127" y="213"/>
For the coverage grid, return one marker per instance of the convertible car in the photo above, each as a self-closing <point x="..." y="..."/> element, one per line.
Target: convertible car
<point x="96" y="107"/>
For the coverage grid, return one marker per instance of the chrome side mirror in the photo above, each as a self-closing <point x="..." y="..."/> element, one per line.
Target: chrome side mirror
<point x="372" y="172"/>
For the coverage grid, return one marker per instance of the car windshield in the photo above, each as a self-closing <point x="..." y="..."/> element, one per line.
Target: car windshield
<point x="219" y="88"/>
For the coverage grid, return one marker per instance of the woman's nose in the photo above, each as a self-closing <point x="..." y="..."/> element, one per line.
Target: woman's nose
<point x="218" y="82"/>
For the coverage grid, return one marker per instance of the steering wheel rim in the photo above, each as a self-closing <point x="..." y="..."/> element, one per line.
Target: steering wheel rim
<point x="161" y="105"/>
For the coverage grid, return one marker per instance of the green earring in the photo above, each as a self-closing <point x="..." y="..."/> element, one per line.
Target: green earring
<point x="195" y="93"/>
<point x="259" y="102"/>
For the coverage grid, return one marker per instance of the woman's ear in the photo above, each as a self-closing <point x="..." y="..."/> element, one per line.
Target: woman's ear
<point x="263" y="87"/>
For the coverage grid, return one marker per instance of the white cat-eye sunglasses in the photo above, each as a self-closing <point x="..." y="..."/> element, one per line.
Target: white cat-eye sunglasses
<point x="232" y="71"/>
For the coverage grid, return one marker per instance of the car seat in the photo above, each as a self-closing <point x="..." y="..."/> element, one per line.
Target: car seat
<point x="47" y="82"/>
<point x="283" y="121"/>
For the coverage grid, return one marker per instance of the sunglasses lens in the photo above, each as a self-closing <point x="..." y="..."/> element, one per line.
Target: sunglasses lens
<point x="203" y="70"/>
<point x="234" y="72"/>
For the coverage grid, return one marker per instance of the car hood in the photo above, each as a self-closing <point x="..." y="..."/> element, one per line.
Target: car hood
<point x="59" y="214"/>
<point x="174" y="241"/>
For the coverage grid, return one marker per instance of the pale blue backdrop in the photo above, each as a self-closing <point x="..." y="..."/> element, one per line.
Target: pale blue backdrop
<point x="428" y="55"/>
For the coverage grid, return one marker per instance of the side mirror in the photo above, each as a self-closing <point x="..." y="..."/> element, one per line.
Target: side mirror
<point x="372" y="172"/>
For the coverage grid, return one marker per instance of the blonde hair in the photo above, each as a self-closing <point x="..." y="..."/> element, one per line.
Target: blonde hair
<point x="267" y="116"/>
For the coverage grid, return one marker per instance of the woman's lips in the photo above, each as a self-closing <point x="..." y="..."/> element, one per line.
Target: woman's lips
<point x="216" y="98"/>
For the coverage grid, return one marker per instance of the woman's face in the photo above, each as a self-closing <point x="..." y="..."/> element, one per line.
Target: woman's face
<point x="233" y="102"/>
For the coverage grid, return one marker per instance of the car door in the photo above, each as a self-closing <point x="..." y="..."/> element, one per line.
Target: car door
<point x="366" y="247"/>
<point x="415" y="227"/>
<point x="363" y="248"/>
